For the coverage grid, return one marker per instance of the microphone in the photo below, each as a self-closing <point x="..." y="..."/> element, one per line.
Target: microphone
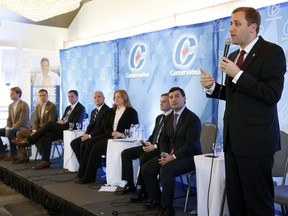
<point x="142" y="142"/>
<point x="227" y="46"/>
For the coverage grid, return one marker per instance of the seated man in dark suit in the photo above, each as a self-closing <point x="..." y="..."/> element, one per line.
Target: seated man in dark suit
<point x="146" y="152"/>
<point x="94" y="128"/>
<point x="179" y="142"/>
<point x="52" y="130"/>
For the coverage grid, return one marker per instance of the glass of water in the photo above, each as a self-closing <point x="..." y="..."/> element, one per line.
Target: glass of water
<point x="218" y="149"/>
<point x="78" y="126"/>
<point x="126" y="133"/>
<point x="71" y="126"/>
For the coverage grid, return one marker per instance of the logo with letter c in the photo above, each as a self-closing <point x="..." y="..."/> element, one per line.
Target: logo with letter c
<point x="137" y="56"/>
<point x="183" y="52"/>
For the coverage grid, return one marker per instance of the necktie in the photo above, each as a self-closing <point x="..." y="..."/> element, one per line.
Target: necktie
<point x="240" y="58"/>
<point x="175" y="121"/>
<point x="67" y="115"/>
<point x="158" y="130"/>
<point x="95" y="115"/>
<point x="238" y="63"/>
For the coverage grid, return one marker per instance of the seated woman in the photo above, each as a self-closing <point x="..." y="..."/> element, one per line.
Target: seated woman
<point x="118" y="118"/>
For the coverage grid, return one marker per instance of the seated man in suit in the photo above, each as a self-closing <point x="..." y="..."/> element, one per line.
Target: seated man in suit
<point x="18" y="118"/>
<point x="179" y="142"/>
<point x="94" y="128"/>
<point x="146" y="152"/>
<point x="45" y="111"/>
<point x="52" y="130"/>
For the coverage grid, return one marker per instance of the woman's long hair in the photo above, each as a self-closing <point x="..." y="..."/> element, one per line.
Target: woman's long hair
<point x="125" y="97"/>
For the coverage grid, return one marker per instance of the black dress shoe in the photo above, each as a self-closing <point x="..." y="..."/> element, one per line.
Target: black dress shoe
<point x="139" y="196"/>
<point x="122" y="190"/>
<point x="79" y="181"/>
<point x="167" y="212"/>
<point x="82" y="181"/>
<point x="155" y="203"/>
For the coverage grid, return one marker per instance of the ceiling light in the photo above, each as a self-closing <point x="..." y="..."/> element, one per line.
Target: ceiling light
<point x="37" y="10"/>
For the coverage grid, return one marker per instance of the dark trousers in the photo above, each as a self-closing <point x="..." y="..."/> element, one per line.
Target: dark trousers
<point x="249" y="184"/>
<point x="11" y="134"/>
<point x="79" y="147"/>
<point x="167" y="172"/>
<point x="92" y="158"/>
<point x="50" y="132"/>
<point x="127" y="157"/>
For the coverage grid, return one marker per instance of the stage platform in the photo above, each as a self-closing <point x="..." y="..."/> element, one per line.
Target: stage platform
<point x="54" y="188"/>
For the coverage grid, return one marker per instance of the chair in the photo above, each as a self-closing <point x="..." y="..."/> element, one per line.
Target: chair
<point x="57" y="146"/>
<point x="280" y="169"/>
<point x="208" y="136"/>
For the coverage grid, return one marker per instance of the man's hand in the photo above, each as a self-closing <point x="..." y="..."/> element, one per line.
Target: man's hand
<point x="148" y="147"/>
<point x="206" y="79"/>
<point x="61" y="121"/>
<point x="85" y="137"/>
<point x="229" y="67"/>
<point x="165" y="159"/>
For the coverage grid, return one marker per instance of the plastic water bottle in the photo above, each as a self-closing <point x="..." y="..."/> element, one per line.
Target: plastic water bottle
<point x="141" y="132"/>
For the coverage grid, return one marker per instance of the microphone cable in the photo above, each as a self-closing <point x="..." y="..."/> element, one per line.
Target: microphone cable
<point x="225" y="53"/>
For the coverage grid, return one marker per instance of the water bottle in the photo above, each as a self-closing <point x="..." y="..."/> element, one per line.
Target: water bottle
<point x="141" y="132"/>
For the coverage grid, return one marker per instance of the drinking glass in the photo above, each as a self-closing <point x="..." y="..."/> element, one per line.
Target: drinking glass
<point x="78" y="126"/>
<point x="218" y="149"/>
<point x="71" y="126"/>
<point x="127" y="133"/>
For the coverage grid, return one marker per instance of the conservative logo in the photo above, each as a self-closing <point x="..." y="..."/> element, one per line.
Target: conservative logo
<point x="136" y="62"/>
<point x="137" y="57"/>
<point x="273" y="10"/>
<point x="183" y="54"/>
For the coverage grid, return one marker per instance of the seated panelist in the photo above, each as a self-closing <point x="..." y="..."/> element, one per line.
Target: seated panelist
<point x="45" y="111"/>
<point x="118" y="118"/>
<point x="52" y="130"/>
<point x="94" y="128"/>
<point x="148" y="150"/>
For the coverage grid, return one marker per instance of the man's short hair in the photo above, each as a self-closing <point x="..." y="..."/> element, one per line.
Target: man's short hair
<point x="74" y="92"/>
<point x="165" y="94"/>
<point x="17" y="90"/>
<point x="43" y="90"/>
<point x="176" y="89"/>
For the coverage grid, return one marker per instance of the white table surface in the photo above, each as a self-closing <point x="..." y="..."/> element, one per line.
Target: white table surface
<point x="114" y="163"/>
<point x="203" y="167"/>
<point x="70" y="161"/>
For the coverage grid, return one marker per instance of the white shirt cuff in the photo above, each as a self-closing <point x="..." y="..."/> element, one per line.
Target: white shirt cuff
<point x="210" y="91"/>
<point x="235" y="79"/>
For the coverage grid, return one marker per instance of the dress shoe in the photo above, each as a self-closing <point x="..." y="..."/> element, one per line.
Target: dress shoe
<point x="3" y="155"/>
<point x="41" y="165"/>
<point x="10" y="158"/>
<point x="20" y="142"/>
<point x="167" y="212"/>
<point x="123" y="190"/>
<point x="155" y="203"/>
<point x="21" y="160"/>
<point x="138" y="196"/>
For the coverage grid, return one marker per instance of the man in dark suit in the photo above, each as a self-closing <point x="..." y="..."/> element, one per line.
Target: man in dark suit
<point x="52" y="130"/>
<point x="179" y="142"/>
<point x="94" y="128"/>
<point x="45" y="111"/>
<point x="145" y="152"/>
<point x="251" y="134"/>
<point x="18" y="119"/>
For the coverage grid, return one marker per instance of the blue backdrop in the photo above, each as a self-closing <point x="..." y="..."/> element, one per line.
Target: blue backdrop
<point x="148" y="65"/>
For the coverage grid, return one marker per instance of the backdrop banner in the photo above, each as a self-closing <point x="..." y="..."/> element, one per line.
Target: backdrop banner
<point x="149" y="64"/>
